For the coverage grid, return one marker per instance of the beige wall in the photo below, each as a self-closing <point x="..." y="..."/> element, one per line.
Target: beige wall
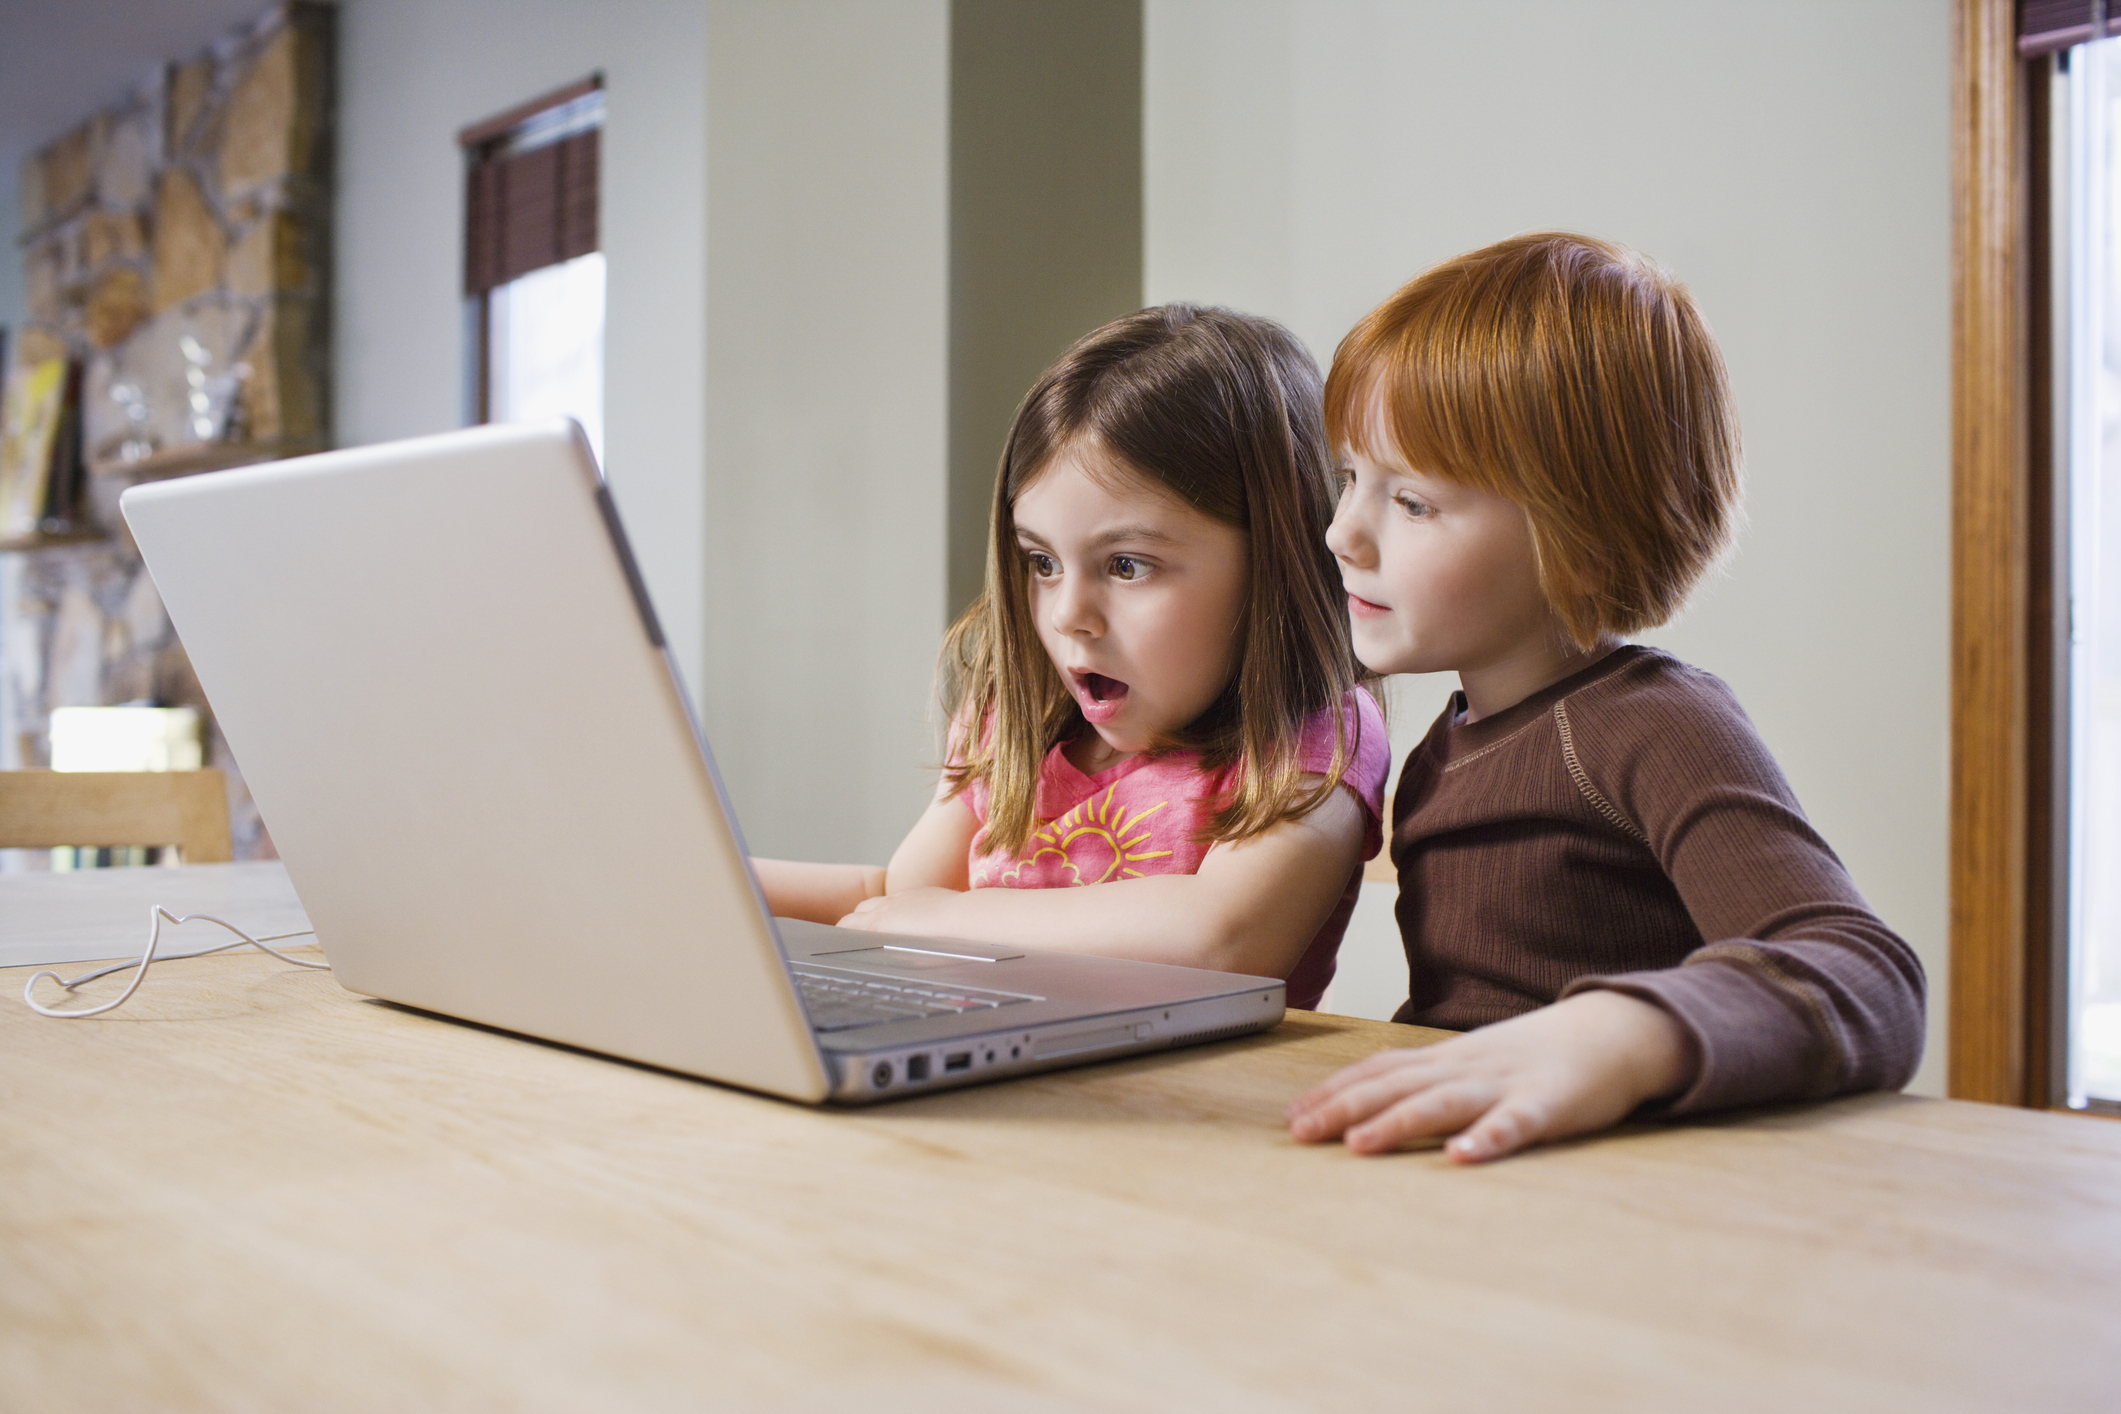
<point x="1045" y="219"/>
<point x="775" y="221"/>
<point x="1790" y="161"/>
<point x="827" y="324"/>
<point x="413" y="72"/>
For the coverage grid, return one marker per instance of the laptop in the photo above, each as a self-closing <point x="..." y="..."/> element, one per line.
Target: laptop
<point x="440" y="671"/>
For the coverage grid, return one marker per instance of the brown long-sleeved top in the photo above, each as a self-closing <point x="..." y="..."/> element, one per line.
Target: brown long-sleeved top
<point x="1627" y="828"/>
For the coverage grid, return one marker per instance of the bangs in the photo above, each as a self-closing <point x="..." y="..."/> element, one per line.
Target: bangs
<point x="1412" y="383"/>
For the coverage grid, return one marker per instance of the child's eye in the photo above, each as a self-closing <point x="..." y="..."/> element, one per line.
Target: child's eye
<point x="1127" y="567"/>
<point x="1414" y="506"/>
<point x="1042" y="565"/>
<point x="1343" y="480"/>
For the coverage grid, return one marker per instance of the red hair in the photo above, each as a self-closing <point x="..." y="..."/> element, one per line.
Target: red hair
<point x="1578" y="379"/>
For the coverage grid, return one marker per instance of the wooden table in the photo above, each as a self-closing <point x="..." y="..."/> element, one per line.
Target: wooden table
<point x="252" y="1190"/>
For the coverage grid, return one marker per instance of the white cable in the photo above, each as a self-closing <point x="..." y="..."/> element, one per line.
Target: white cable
<point x="154" y="937"/>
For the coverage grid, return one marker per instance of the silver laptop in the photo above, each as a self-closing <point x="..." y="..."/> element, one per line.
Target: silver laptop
<point x="439" y="670"/>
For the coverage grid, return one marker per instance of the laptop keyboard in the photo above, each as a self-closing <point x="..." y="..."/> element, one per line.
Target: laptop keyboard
<point x="841" y="1001"/>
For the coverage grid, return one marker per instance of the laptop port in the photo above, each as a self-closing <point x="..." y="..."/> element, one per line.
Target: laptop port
<point x="916" y="1069"/>
<point x="881" y="1075"/>
<point x="961" y="1061"/>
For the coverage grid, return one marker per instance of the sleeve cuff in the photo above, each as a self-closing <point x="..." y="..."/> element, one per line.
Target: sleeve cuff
<point x="1756" y="1045"/>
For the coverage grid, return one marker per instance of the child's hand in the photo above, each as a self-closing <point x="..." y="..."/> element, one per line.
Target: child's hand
<point x="1578" y="1065"/>
<point x="917" y="910"/>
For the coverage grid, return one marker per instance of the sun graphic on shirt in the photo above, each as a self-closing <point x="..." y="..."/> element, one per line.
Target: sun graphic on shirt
<point x="1098" y="834"/>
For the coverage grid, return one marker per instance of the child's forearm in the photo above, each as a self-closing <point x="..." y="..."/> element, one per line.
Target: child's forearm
<point x="1178" y="919"/>
<point x="1253" y="907"/>
<point x="818" y="893"/>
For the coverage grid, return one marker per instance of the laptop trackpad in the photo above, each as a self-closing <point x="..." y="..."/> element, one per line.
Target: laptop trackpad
<point x="895" y="956"/>
<point x="807" y="942"/>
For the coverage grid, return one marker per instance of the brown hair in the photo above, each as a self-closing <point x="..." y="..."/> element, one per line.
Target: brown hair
<point x="1578" y="379"/>
<point x="1221" y="410"/>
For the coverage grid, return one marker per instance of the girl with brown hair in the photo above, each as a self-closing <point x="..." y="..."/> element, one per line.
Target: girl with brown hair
<point x="1155" y="693"/>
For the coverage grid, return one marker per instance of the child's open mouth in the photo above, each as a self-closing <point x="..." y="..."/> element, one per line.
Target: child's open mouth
<point x="1099" y="696"/>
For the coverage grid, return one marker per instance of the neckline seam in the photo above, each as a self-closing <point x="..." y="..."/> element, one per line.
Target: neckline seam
<point x="1604" y="668"/>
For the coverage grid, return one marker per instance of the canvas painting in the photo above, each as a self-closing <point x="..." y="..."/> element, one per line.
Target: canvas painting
<point x="30" y="414"/>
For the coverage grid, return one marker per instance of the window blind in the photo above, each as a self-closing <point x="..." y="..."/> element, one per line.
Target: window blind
<point x="2045" y="26"/>
<point x="530" y="186"/>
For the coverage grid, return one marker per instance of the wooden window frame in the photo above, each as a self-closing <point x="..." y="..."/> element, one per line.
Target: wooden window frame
<point x="2006" y="921"/>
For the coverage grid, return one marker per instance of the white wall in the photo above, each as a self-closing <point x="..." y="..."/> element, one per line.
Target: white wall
<point x="411" y="74"/>
<point x="827" y="397"/>
<point x="774" y="213"/>
<point x="1791" y="162"/>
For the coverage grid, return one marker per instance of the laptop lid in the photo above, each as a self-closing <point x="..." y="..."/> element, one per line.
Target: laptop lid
<point x="443" y="681"/>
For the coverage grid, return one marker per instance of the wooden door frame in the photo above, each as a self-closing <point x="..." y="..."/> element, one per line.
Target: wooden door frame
<point x="2003" y="791"/>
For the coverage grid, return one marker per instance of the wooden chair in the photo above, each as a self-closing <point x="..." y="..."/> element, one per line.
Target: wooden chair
<point x="108" y="809"/>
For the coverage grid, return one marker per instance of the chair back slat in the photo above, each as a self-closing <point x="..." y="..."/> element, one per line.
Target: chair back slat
<point x="105" y="809"/>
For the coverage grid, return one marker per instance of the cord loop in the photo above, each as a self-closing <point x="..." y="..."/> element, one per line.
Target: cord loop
<point x="154" y="938"/>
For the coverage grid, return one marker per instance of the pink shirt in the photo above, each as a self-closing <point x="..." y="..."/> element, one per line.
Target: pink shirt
<point x="1145" y="815"/>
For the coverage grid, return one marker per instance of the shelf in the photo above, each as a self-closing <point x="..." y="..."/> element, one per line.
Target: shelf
<point x="200" y="456"/>
<point x="47" y="539"/>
